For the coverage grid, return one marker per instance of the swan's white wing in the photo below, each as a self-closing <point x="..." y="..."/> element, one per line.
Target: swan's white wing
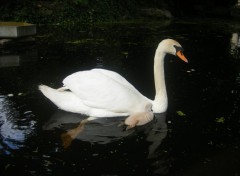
<point x="117" y="77"/>
<point x="103" y="89"/>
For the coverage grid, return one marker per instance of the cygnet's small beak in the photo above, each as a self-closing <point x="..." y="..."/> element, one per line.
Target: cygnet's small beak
<point x="181" y="56"/>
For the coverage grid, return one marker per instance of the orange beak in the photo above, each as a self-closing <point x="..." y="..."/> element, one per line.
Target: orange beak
<point x="181" y="56"/>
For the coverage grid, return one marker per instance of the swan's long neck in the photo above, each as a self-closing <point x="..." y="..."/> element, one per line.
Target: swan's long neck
<point x="160" y="102"/>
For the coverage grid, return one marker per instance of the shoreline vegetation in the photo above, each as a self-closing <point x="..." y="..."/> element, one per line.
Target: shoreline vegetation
<point x="74" y="13"/>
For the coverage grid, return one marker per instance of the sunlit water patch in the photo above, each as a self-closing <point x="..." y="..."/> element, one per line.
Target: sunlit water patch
<point x="15" y="126"/>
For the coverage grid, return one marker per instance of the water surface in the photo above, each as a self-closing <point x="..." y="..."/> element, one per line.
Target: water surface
<point x="198" y="135"/>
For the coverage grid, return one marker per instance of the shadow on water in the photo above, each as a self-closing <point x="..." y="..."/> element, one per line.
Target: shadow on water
<point x="105" y="130"/>
<point x="198" y="135"/>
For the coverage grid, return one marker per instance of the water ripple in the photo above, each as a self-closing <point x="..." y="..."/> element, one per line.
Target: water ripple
<point x="15" y="127"/>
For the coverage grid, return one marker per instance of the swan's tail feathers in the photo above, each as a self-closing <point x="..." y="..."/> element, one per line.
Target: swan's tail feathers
<point x="61" y="89"/>
<point x="64" y="100"/>
<point x="49" y="92"/>
<point x="43" y="87"/>
<point x="58" y="96"/>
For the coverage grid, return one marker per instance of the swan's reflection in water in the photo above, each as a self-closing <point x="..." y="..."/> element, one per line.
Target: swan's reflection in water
<point x="102" y="131"/>
<point x="157" y="133"/>
<point x="108" y="130"/>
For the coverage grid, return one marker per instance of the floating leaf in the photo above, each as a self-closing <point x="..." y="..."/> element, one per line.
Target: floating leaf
<point x="180" y="113"/>
<point x="125" y="53"/>
<point x="220" y="120"/>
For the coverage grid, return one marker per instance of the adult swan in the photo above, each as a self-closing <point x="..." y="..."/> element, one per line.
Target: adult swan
<point x="103" y="93"/>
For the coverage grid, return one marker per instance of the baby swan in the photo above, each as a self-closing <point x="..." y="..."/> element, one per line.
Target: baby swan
<point x="140" y="118"/>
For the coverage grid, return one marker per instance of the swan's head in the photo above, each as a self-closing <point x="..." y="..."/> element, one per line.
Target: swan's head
<point x="171" y="46"/>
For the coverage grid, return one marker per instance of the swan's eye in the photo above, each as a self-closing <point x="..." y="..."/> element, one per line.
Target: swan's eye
<point x="178" y="48"/>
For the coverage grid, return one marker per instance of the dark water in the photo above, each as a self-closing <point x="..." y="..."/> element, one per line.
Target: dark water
<point x="198" y="135"/>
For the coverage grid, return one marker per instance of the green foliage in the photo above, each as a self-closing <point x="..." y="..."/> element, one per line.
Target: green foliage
<point x="81" y="2"/>
<point x="87" y="12"/>
<point x="66" y="12"/>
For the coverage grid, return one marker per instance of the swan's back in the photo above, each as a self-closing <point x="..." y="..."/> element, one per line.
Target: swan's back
<point x="91" y="74"/>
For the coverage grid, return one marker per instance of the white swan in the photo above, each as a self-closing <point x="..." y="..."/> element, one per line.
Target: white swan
<point x="103" y="93"/>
